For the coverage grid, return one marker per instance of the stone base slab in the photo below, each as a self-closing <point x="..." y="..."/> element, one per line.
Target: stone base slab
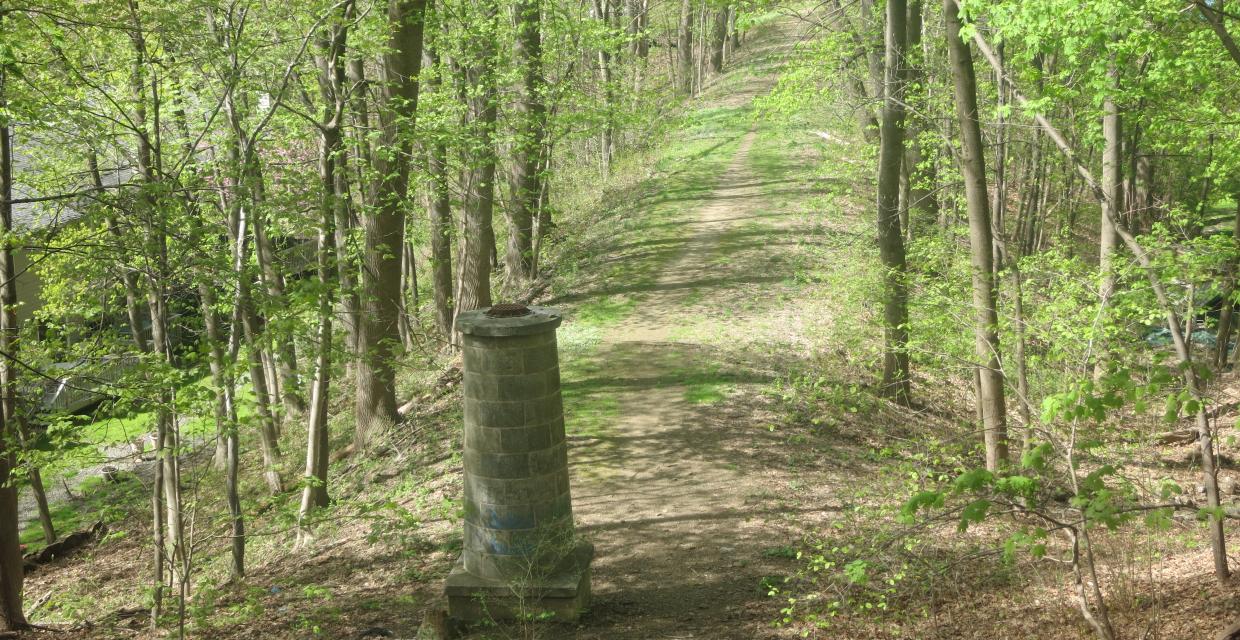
<point x="559" y="597"/>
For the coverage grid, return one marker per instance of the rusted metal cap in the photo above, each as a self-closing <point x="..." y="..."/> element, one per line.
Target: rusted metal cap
<point x="508" y="310"/>
<point x="508" y="320"/>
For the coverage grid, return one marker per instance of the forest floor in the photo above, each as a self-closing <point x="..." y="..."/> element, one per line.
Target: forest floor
<point x="736" y="473"/>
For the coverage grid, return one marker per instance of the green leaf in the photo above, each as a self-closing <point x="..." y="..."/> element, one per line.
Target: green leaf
<point x="856" y="573"/>
<point x="925" y="499"/>
<point x="1035" y="458"/>
<point x="973" y="481"/>
<point x="973" y="513"/>
<point x="1017" y="485"/>
<point x="1159" y="519"/>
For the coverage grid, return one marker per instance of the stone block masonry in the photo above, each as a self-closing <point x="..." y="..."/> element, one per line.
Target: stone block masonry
<point x="521" y="556"/>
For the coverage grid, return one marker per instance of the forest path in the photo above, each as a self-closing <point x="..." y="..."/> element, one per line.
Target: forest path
<point x="679" y="476"/>
<point x="668" y="497"/>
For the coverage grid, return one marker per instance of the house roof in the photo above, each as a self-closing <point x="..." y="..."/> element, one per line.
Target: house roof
<point x="55" y="210"/>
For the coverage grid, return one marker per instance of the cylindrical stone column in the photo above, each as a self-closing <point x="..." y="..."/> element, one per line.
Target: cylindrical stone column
<point x="518" y="512"/>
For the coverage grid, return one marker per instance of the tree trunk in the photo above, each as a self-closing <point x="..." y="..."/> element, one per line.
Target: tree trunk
<point x="270" y="372"/>
<point x="225" y="414"/>
<point x="40" y="499"/>
<point x="12" y="572"/>
<point x="602" y="12"/>
<point x="700" y="67"/>
<point x="348" y="268"/>
<point x="641" y="42"/>
<point x="1022" y="371"/>
<point x="981" y="241"/>
<point x="273" y="281"/>
<point x="346" y="273"/>
<point x="333" y="208"/>
<point x="167" y="437"/>
<point x="11" y="567"/>
<point x="409" y="303"/>
<point x="479" y="239"/>
<point x="237" y="201"/>
<point x="872" y="47"/>
<point x="383" y="225"/>
<point x="890" y="239"/>
<point x="718" y="40"/>
<point x="251" y="330"/>
<point x="1143" y="194"/>
<point x="231" y="484"/>
<point x="640" y="47"/>
<point x="922" y="204"/>
<point x="543" y="223"/>
<point x="439" y="206"/>
<point x="439" y="209"/>
<point x="248" y="191"/>
<point x="734" y="33"/>
<point x="1213" y="13"/>
<point x="1112" y="206"/>
<point x="684" y="47"/>
<point x="531" y="123"/>
<point x="998" y="209"/>
<point x="168" y="526"/>
<point x="314" y="494"/>
<point x="1031" y="208"/>
<point x="10" y="333"/>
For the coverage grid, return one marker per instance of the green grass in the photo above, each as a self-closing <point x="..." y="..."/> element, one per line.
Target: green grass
<point x="709" y="385"/>
<point x="605" y="311"/>
<point x="706" y="392"/>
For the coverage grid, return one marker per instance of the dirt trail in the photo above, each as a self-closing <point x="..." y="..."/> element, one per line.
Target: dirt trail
<point x="680" y="495"/>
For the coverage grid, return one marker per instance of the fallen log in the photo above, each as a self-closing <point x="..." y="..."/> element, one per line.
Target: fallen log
<point x="1183" y="436"/>
<point x="64" y="547"/>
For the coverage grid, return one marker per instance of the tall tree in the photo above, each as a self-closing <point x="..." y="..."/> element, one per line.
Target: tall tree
<point x="169" y="528"/>
<point x="439" y="209"/>
<point x="861" y="92"/>
<point x="12" y="571"/>
<point x="603" y="13"/>
<point x="1227" y="316"/>
<point x="10" y="332"/>
<point x="333" y="204"/>
<point x="240" y="198"/>
<point x="718" y="39"/>
<point x="478" y="241"/>
<point x="890" y="238"/>
<point x="1113" y="205"/>
<point x="128" y="276"/>
<point x="920" y="202"/>
<point x="684" y="48"/>
<point x="985" y="320"/>
<point x="531" y="115"/>
<point x="384" y="223"/>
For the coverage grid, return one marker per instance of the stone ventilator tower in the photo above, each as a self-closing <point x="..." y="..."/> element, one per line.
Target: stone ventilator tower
<point x="521" y="556"/>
